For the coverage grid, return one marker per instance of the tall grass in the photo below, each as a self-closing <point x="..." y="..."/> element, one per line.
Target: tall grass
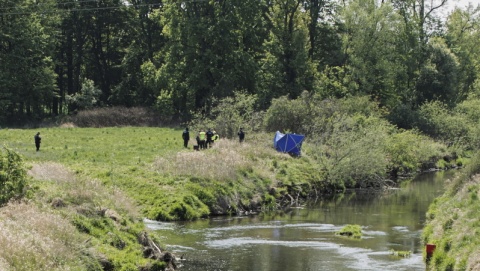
<point x="453" y="223"/>
<point x="224" y="161"/>
<point x="59" y="183"/>
<point x="34" y="239"/>
<point x="48" y="232"/>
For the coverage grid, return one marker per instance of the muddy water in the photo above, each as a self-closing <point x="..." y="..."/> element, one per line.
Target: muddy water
<point x="303" y="239"/>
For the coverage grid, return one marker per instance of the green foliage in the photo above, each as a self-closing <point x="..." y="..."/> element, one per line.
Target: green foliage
<point x="370" y="45"/>
<point x="403" y="116"/>
<point x="287" y="115"/>
<point x="182" y="58"/>
<point x="164" y="104"/>
<point x="27" y="77"/>
<point x="352" y="153"/>
<point x="13" y="175"/>
<point x="456" y="126"/>
<point x="452" y="222"/>
<point x="269" y="202"/>
<point x="87" y="98"/>
<point x="229" y="115"/>
<point x="408" y="151"/>
<point x="353" y="145"/>
<point x="286" y="69"/>
<point x="462" y="38"/>
<point x="335" y="82"/>
<point x="204" y="194"/>
<point x="438" y="80"/>
<point x="438" y="121"/>
<point x="210" y="52"/>
<point x="189" y="208"/>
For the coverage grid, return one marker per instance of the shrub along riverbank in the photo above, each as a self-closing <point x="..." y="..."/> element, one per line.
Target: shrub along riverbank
<point x="99" y="183"/>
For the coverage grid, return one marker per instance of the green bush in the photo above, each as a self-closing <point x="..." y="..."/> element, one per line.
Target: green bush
<point x="403" y="116"/>
<point x="287" y="115"/>
<point x="352" y="152"/>
<point x="87" y="98"/>
<point x="13" y="175"/>
<point x="408" y="150"/>
<point x="438" y="121"/>
<point x="228" y="115"/>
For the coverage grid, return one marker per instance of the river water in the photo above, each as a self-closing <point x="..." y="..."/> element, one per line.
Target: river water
<point x="303" y="239"/>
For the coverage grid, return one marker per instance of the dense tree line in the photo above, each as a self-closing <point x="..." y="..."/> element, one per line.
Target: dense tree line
<point x="59" y="56"/>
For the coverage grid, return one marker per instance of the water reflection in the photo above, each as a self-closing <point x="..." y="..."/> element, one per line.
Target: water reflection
<point x="304" y="238"/>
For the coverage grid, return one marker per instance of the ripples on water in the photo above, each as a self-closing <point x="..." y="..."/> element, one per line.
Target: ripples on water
<point x="315" y="245"/>
<point x="304" y="239"/>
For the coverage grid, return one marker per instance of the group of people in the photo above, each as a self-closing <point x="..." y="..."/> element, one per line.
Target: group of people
<point x="206" y="139"/>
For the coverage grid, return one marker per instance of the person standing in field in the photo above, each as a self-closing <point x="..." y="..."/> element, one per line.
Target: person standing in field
<point x="202" y="139"/>
<point x="38" y="140"/>
<point x="209" y="138"/>
<point x="215" y="136"/>
<point x="186" y="137"/>
<point x="241" y="135"/>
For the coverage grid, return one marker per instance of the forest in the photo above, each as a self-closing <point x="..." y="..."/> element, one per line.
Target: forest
<point x="183" y="57"/>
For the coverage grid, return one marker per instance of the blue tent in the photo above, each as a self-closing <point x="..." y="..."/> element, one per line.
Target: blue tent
<point x="289" y="143"/>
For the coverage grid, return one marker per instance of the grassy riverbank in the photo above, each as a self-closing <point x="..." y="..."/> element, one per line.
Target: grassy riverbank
<point x="453" y="223"/>
<point x="99" y="183"/>
<point x="91" y="188"/>
<point x="151" y="166"/>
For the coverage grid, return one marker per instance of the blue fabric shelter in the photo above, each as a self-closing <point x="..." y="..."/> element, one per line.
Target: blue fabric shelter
<point x="289" y="143"/>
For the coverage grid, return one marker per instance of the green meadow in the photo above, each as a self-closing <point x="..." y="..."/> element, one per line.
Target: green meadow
<point x="151" y="166"/>
<point x="90" y="189"/>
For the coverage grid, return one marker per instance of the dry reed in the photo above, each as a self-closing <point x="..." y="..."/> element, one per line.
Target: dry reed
<point x="221" y="162"/>
<point x="32" y="239"/>
<point x="81" y="191"/>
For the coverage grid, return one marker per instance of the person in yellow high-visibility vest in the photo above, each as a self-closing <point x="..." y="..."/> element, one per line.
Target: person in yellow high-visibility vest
<point x="202" y="139"/>
<point x="215" y="137"/>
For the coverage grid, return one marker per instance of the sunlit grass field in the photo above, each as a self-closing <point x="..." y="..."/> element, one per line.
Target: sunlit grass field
<point x="84" y="181"/>
<point x="151" y="165"/>
<point x="121" y="157"/>
<point x="98" y="147"/>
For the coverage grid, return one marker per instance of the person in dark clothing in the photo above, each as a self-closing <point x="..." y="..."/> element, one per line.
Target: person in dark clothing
<point x="197" y="147"/>
<point x="209" y="135"/>
<point x="38" y="140"/>
<point x="186" y="137"/>
<point x="241" y="135"/>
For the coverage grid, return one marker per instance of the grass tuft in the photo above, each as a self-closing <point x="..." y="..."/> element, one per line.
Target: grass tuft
<point x="32" y="239"/>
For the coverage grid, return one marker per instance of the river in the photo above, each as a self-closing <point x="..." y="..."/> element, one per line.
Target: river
<point x="303" y="239"/>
